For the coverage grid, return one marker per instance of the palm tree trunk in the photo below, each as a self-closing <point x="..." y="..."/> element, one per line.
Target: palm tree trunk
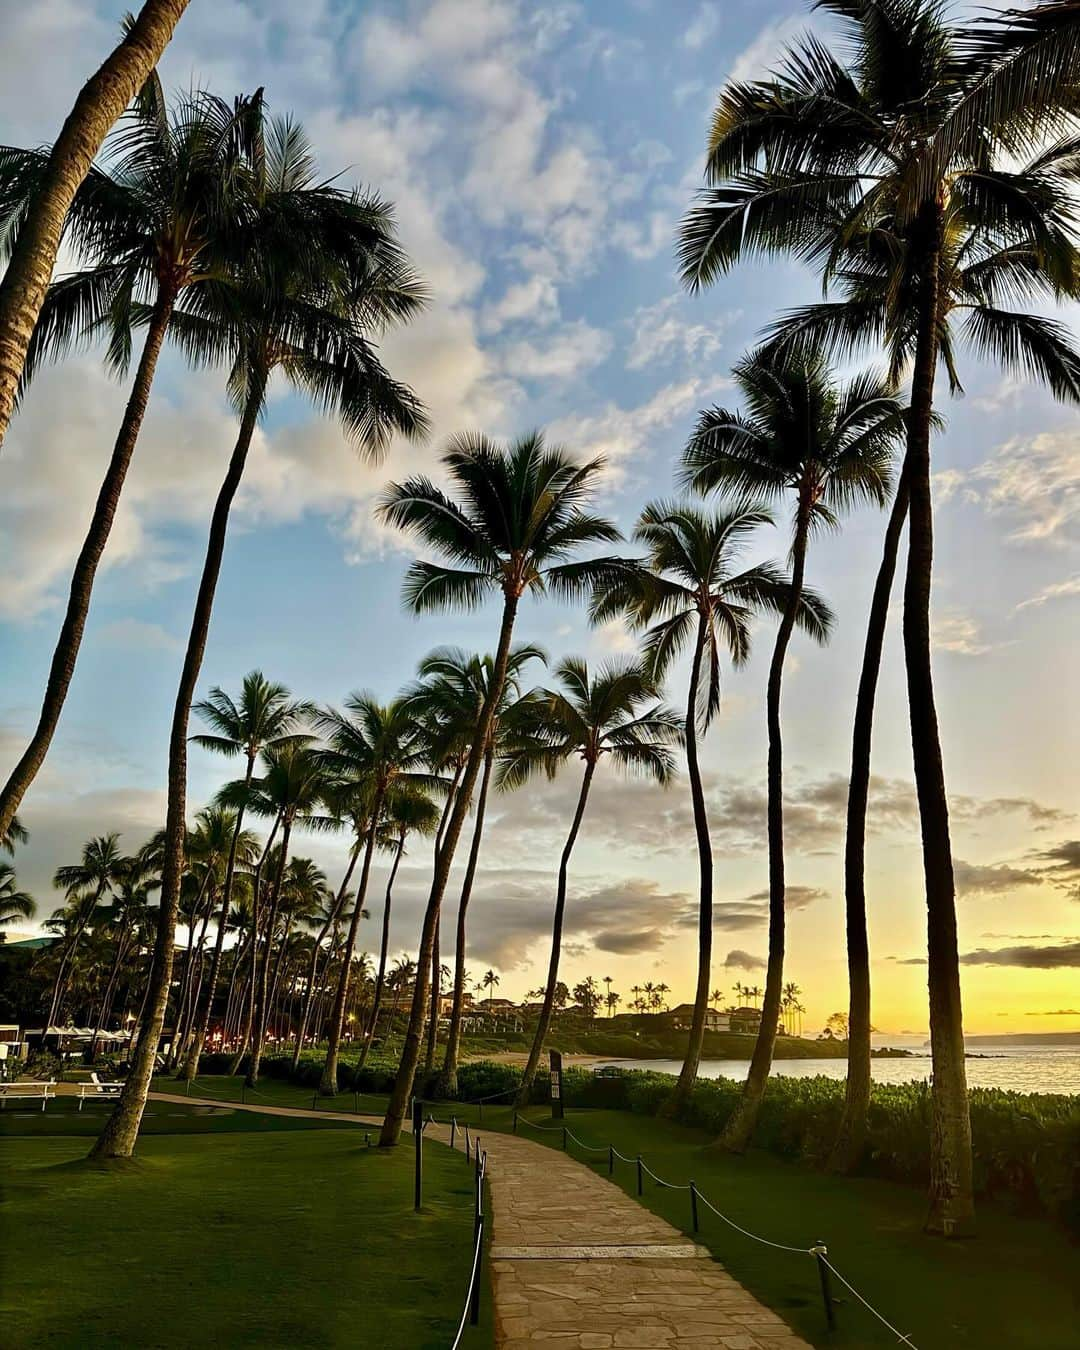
<point x="544" y="1020"/>
<point x="436" y="994"/>
<point x="447" y="1083"/>
<point x="110" y="991"/>
<point x="191" y="1063"/>
<point x="82" y="578"/>
<point x="328" y="1086"/>
<point x="740" y="1127"/>
<point x="384" y="949"/>
<point x="331" y="919"/>
<point x="851" y="1134"/>
<point x="117" y="1139"/>
<point x="688" y="1074"/>
<point x="100" y="102"/>
<point x="262" y="979"/>
<point x="248" y="992"/>
<point x="952" y="1205"/>
<point x="410" y="1050"/>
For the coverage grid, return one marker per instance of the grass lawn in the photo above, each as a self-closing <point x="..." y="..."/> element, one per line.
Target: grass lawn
<point x="229" y="1229"/>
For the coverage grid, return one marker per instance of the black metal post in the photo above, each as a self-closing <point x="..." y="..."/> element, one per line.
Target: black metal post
<point x="467" y="1152"/>
<point x="693" y="1206"/>
<point x="418" y="1151"/>
<point x="315" y="1100"/>
<point x="611" y="1160"/>
<point x="640" y="1177"/>
<point x="453" y="1130"/>
<point x="481" y="1105"/>
<point x="478" y="1229"/>
<point x="515" y="1120"/>
<point x="564" y="1147"/>
<point x="356" y="1101"/>
<point x="820" y="1252"/>
<point x="476" y="1156"/>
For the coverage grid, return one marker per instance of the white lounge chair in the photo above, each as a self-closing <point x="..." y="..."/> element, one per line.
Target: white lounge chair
<point x="96" y="1089"/>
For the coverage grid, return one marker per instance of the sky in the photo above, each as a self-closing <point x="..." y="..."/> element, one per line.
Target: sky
<point x="539" y="157"/>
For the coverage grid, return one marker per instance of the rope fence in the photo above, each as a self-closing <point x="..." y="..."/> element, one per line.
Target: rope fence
<point x="819" y="1251"/>
<point x="477" y="1158"/>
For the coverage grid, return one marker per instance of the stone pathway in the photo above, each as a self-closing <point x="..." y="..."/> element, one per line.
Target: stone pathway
<point x="579" y="1265"/>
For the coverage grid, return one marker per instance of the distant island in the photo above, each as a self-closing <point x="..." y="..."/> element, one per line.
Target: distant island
<point x="1028" y="1038"/>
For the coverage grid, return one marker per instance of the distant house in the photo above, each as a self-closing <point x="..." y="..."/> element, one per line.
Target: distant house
<point x="714" y="1021"/>
<point x="746" y="1021"/>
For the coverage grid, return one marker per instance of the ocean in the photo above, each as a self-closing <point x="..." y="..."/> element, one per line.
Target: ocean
<point x="1028" y="1068"/>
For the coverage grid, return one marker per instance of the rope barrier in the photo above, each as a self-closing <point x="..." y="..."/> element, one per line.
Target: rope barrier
<point x="818" y="1251"/>
<point x="470" y="1307"/>
<point x="901" y="1338"/>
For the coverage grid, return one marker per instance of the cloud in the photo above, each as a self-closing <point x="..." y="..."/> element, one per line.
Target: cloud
<point x="753" y="910"/>
<point x="137" y="635"/>
<point x="959" y="633"/>
<point x="740" y="960"/>
<point x="661" y="335"/>
<point x="907" y="960"/>
<point x="991" y="879"/>
<point x="701" y="27"/>
<point x="1055" y="1012"/>
<point x="1032" y="484"/>
<point x="1030" y="958"/>
<point x="1057" y="590"/>
<point x="571" y="351"/>
<point x="1061" y="866"/>
<point x="765" y="49"/>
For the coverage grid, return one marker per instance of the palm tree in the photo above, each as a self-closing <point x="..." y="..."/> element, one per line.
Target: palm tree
<point x="901" y="164"/>
<point x="616" y="714"/>
<point x="127" y="920"/>
<point x="407" y="812"/>
<point x="520" y="521"/>
<point x="15" y="833"/>
<point x="320" y="275"/>
<point x="612" y="1001"/>
<point x="450" y="696"/>
<point x="490" y="982"/>
<point x="14" y="904"/>
<point x="382" y="748"/>
<point x="100" y="868"/>
<point x="151" y="224"/>
<point x="689" y="591"/>
<point x="830" y="447"/>
<point x="265" y="717"/>
<point x="58" y="177"/>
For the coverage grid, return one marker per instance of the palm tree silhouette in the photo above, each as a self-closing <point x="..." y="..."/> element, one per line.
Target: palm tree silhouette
<point x="920" y="195"/>
<point x="99" y="870"/>
<point x="14" y="904"/>
<point x="613" y="714"/>
<point x="520" y="522"/>
<point x="688" y="591"/>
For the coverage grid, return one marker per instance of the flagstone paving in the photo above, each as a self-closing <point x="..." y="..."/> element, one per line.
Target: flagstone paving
<point x="579" y="1265"/>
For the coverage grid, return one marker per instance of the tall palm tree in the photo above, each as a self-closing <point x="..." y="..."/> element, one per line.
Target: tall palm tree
<point x="490" y="982"/>
<point x="520" y="520"/>
<point x="382" y="747"/>
<point x="265" y="716"/>
<point x="407" y="812"/>
<point x="100" y="868"/>
<point x="15" y="833"/>
<point x="688" y="591"/>
<point x="877" y="167"/>
<point x="151" y="225"/>
<point x="320" y="275"/>
<point x="14" y="904"/>
<point x="613" y="714"/>
<point x="830" y="447"/>
<point x="59" y="174"/>
<point x="127" y="920"/>
<point x="450" y="695"/>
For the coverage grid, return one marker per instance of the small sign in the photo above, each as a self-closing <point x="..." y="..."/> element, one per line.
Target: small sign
<point x="556" y="1084"/>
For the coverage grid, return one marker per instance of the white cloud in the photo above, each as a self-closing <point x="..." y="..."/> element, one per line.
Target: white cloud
<point x="536" y="300"/>
<point x="662" y="336"/>
<point x="958" y="633"/>
<point x="569" y="351"/>
<point x="762" y="53"/>
<point x="139" y="635"/>
<point x="701" y="27"/>
<point x="1033" y="485"/>
<point x="1057" y="590"/>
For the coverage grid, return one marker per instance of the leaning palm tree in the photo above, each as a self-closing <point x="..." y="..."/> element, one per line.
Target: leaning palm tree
<point x="519" y="522"/>
<point x="320" y="275"/>
<point x="615" y="715"/>
<point x="406" y="813"/>
<point x="14" y="904"/>
<point x="100" y="868"/>
<point x="150" y="225"/>
<point x="58" y="177"/>
<point x="829" y="447"/>
<point x="688" y="591"/>
<point x="15" y="833"/>
<point x="264" y="717"/>
<point x="383" y="749"/>
<point x="449" y="697"/>
<point x="825" y="153"/>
